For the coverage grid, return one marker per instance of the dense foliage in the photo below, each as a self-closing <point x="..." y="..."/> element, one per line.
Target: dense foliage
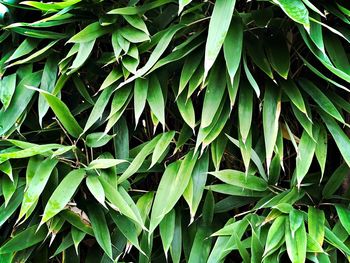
<point x="179" y="130"/>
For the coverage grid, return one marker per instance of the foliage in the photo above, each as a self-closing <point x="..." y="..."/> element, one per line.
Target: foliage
<point x="156" y="130"/>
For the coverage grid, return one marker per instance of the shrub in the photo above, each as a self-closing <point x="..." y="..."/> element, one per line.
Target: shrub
<point x="174" y="130"/>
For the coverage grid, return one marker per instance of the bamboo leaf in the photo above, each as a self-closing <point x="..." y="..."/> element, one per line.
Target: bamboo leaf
<point x="63" y="193"/>
<point x="217" y="31"/>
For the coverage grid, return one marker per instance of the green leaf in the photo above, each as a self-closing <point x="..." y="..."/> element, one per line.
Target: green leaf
<point x="119" y="202"/>
<point x="35" y="55"/>
<point x="136" y="22"/>
<point x="104" y="163"/>
<point x="7" y="89"/>
<point x="155" y="99"/>
<point x="344" y="217"/>
<point x="112" y="77"/>
<point x="139" y="159"/>
<point x="134" y="35"/>
<point x="335" y="181"/>
<point x="278" y="53"/>
<point x="291" y="90"/>
<point x="167" y="229"/>
<point x="240" y="179"/>
<point x="6" y="168"/>
<point x="296" y="10"/>
<point x="9" y="187"/>
<point x="63" y="194"/>
<point x="12" y="206"/>
<point x="256" y="51"/>
<point x="25" y="239"/>
<point x="213" y="95"/>
<point x="96" y="189"/>
<point x="162" y="144"/>
<point x="336" y="242"/>
<point x="127" y="228"/>
<point x="100" y="228"/>
<point x="140" y="96"/>
<point x="37" y="185"/>
<point x="19" y="101"/>
<point x="90" y="33"/>
<point x="321" y="150"/>
<point x="316" y="224"/>
<point x="27" y="46"/>
<point x="233" y="46"/>
<point x="321" y="99"/>
<point x="271" y="113"/>
<point x="275" y="235"/>
<point x="250" y="77"/>
<point x="48" y="81"/>
<point x="171" y="187"/>
<point x="77" y="237"/>
<point x="306" y="151"/>
<point x="176" y="245"/>
<point x="194" y="190"/>
<point x="245" y="111"/>
<point x="340" y="138"/>
<point x="134" y="10"/>
<point x="186" y="109"/>
<point x="63" y="114"/>
<point x="120" y="98"/>
<point x="217" y="31"/>
<point x="191" y="64"/>
<point x="157" y="52"/>
<point x="98" y="139"/>
<point x="201" y="245"/>
<point x="84" y="52"/>
<point x="296" y="243"/>
<point x="99" y="108"/>
<point x="182" y="4"/>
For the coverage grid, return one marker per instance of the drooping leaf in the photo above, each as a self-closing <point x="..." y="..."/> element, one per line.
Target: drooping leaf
<point x="217" y="31"/>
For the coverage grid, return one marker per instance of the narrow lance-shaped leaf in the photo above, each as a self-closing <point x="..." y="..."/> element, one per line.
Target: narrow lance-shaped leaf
<point x="155" y="99"/>
<point x="7" y="89"/>
<point x="24" y="239"/>
<point x="96" y="189"/>
<point x="194" y="190"/>
<point x="19" y="101"/>
<point x="63" y="114"/>
<point x="296" y="10"/>
<point x="100" y="228"/>
<point x="140" y="96"/>
<point x="233" y="46"/>
<point x="321" y="99"/>
<point x="48" y="81"/>
<point x="63" y="193"/>
<point x="245" y="110"/>
<point x="306" y="150"/>
<point x="89" y="33"/>
<point x="240" y="179"/>
<point x="139" y="159"/>
<point x="213" y="95"/>
<point x="128" y="229"/>
<point x="161" y="146"/>
<point x="172" y="185"/>
<point x="167" y="229"/>
<point x="275" y="235"/>
<point x="340" y="138"/>
<point x="296" y="244"/>
<point x="37" y="185"/>
<point x="104" y="163"/>
<point x="271" y="113"/>
<point x="217" y="31"/>
<point x="321" y="149"/>
<point x="316" y="220"/>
